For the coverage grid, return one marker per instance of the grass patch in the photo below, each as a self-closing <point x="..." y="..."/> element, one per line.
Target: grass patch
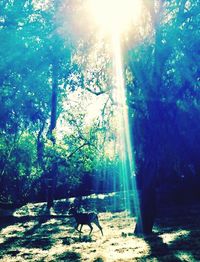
<point x="68" y="256"/>
<point x="177" y="238"/>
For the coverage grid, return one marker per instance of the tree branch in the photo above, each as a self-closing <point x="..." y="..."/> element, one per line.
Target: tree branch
<point x="97" y="93"/>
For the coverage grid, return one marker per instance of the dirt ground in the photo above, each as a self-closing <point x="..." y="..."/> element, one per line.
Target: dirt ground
<point x="40" y="238"/>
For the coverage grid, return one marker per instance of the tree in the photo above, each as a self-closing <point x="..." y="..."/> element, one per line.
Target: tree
<point x="156" y="98"/>
<point x="28" y="78"/>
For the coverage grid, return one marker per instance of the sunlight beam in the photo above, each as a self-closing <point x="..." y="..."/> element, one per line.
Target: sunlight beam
<point x="126" y="146"/>
<point x="115" y="15"/>
<point x="114" y="19"/>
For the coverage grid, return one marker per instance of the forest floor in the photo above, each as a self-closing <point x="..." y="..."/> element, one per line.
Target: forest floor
<point x="29" y="237"/>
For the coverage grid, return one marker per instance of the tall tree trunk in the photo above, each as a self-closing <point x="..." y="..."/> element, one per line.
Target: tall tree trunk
<point x="51" y="185"/>
<point x="40" y="146"/>
<point x="147" y="200"/>
<point x="144" y="225"/>
<point x="52" y="175"/>
<point x="147" y="190"/>
<point x="54" y="103"/>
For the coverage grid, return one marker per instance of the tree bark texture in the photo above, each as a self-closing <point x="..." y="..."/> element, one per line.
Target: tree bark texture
<point x="51" y="181"/>
<point x="147" y="204"/>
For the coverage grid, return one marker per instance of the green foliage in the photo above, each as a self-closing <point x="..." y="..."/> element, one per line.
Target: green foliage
<point x="164" y="101"/>
<point x="37" y="56"/>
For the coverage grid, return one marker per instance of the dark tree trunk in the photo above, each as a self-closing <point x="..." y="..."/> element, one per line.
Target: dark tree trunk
<point x="147" y="205"/>
<point x="51" y="184"/>
<point x="53" y="103"/>
<point x="40" y="147"/>
<point x="152" y="130"/>
<point x="146" y="183"/>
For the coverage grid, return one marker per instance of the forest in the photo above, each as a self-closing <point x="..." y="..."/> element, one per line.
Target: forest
<point x="100" y="97"/>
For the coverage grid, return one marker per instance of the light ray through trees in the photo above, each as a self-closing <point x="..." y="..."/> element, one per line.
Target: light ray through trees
<point x="122" y="16"/>
<point x="127" y="166"/>
<point x="114" y="19"/>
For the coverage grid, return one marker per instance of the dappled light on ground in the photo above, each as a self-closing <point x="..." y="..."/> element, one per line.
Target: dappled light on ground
<point x="55" y="239"/>
<point x="170" y="237"/>
<point x="185" y="256"/>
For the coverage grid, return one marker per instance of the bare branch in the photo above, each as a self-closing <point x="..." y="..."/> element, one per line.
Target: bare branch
<point x="97" y="93"/>
<point x="77" y="149"/>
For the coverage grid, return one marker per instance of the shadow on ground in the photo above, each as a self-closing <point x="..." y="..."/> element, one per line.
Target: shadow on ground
<point x="20" y="236"/>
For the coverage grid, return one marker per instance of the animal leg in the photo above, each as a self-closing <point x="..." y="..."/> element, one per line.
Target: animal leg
<point x="98" y="225"/>
<point x="91" y="228"/>
<point x="80" y="229"/>
<point x="77" y="228"/>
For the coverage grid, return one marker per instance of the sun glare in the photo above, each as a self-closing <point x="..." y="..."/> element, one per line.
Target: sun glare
<point x="112" y="20"/>
<point x="115" y="15"/>
<point x="116" y="18"/>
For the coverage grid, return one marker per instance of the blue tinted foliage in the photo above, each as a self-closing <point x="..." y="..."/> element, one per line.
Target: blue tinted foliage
<point x="39" y="68"/>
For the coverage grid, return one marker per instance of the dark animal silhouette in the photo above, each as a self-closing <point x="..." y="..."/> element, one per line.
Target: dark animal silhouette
<point x="85" y="218"/>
